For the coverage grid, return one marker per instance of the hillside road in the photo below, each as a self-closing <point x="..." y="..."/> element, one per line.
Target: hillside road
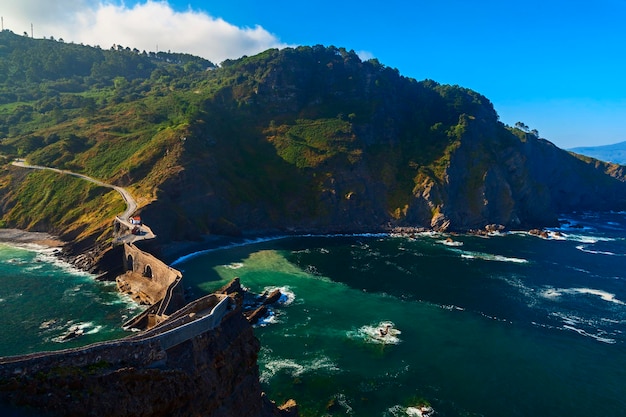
<point x="131" y="204"/>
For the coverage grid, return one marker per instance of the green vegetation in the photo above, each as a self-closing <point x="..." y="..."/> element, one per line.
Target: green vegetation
<point x="258" y="129"/>
<point x="75" y="208"/>
<point x="284" y="139"/>
<point x="309" y="143"/>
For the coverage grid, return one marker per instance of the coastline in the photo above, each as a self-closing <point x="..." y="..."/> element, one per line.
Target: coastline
<point x="23" y="237"/>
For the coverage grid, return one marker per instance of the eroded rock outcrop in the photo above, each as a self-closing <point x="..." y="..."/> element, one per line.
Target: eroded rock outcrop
<point x="213" y="373"/>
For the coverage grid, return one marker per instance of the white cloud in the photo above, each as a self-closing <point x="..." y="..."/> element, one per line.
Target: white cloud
<point x="144" y="26"/>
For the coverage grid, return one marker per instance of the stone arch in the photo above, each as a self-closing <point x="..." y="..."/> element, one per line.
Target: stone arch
<point x="147" y="272"/>
<point x="129" y="263"/>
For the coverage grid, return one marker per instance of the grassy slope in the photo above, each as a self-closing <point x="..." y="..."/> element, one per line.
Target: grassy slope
<point x="283" y="137"/>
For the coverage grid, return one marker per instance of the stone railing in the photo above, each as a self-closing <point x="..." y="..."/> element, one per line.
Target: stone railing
<point x="139" y="350"/>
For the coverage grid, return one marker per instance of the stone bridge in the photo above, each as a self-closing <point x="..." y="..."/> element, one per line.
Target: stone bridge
<point x="150" y="281"/>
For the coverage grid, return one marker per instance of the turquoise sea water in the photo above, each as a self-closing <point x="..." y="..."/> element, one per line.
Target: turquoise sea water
<point x="509" y="325"/>
<point x="43" y="299"/>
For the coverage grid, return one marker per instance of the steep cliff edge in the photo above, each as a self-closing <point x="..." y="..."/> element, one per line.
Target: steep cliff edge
<point x="314" y="139"/>
<point x="517" y="180"/>
<point x="213" y="373"/>
<point x="299" y="139"/>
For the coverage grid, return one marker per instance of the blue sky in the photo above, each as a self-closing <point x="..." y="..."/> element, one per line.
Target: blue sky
<point x="555" y="65"/>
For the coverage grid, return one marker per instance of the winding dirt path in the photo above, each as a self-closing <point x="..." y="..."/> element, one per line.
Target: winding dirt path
<point x="131" y="204"/>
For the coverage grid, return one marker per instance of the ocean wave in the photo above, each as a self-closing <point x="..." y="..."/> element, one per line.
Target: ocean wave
<point x="295" y="369"/>
<point x="587" y="327"/>
<point x="550" y="293"/>
<point x="71" y="331"/>
<point x="588" y="238"/>
<point x="575" y="324"/>
<point x="599" y="338"/>
<point x="384" y="333"/>
<point x="489" y="257"/>
<point x="16" y="261"/>
<point x="596" y="252"/>
<point x="44" y="255"/>
<point x="451" y="307"/>
<point x="450" y="242"/>
<point x="411" y="411"/>
<point x="602" y="294"/>
<point x="553" y="293"/>
<point x="270" y="318"/>
<point x="287" y="295"/>
<point x="49" y="256"/>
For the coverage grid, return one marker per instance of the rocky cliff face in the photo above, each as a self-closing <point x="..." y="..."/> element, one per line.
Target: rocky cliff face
<point x="306" y="139"/>
<point x="214" y="374"/>
<point x="523" y="183"/>
<point x="319" y="141"/>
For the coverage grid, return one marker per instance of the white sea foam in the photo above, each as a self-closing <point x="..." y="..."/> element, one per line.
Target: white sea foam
<point x="412" y="411"/>
<point x="72" y="331"/>
<point x="553" y="293"/>
<point x="550" y="293"/>
<point x="270" y="318"/>
<point x="45" y="255"/>
<point x="305" y="251"/>
<point x="234" y="265"/>
<point x="586" y="327"/>
<point x="295" y="369"/>
<point x="451" y="307"/>
<point x="588" y="239"/>
<point x="16" y="261"/>
<point x="450" y="242"/>
<point x="489" y="257"/>
<point x="595" y="252"/>
<point x="49" y="255"/>
<point x="556" y="236"/>
<point x="606" y="296"/>
<point x="383" y="333"/>
<point x="582" y="332"/>
<point x="287" y="295"/>
<point x="419" y="411"/>
<point x="95" y="329"/>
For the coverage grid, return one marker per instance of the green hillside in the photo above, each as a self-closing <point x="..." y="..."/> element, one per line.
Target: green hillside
<point x="299" y="139"/>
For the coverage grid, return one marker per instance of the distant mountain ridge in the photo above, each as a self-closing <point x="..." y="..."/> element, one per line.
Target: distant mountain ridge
<point x="615" y="153"/>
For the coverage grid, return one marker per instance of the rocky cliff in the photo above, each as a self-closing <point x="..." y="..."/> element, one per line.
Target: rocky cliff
<point x="314" y="139"/>
<point x="304" y="139"/>
<point x="213" y="373"/>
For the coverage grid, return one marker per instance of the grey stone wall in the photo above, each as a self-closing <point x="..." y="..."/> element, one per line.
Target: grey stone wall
<point x="139" y="350"/>
<point x="149" y="266"/>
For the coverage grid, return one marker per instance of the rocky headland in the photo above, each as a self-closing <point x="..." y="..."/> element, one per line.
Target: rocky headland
<point x="291" y="141"/>
<point x="201" y="361"/>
